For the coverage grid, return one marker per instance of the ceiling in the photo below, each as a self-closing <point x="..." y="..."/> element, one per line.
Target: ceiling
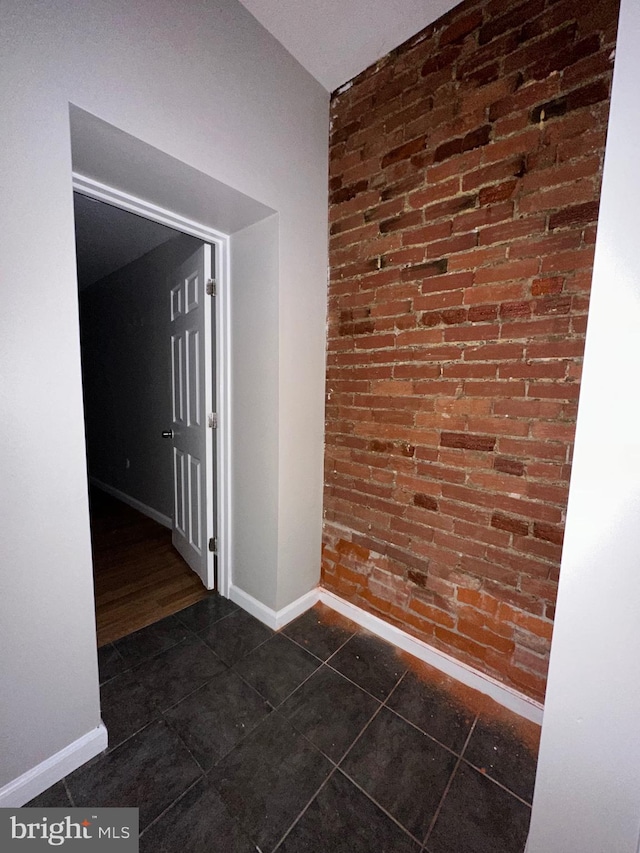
<point x="337" y="39"/>
<point x="108" y="238"/>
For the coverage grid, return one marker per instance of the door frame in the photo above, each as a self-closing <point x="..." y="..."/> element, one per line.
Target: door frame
<point x="221" y="331"/>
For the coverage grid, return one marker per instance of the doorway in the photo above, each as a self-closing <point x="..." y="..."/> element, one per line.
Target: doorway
<point x="148" y="376"/>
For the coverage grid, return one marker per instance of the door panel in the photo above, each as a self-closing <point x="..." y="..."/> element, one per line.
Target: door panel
<point x="192" y="397"/>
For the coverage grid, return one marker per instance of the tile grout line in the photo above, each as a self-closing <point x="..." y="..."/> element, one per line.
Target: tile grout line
<point x="394" y="688"/>
<point x="448" y="785"/>
<point x="250" y="652"/>
<point x="66" y="787"/>
<point x="161" y="711"/>
<point x="295" y="689"/>
<point x="112" y="749"/>
<point x="186" y="746"/>
<point x="381" y="705"/>
<point x="362" y="731"/>
<point x="195" y="690"/>
<point x="324" y="660"/>
<point x="423" y="732"/>
<point x="317" y="669"/>
<point x="170" y="806"/>
<point x="359" y="686"/>
<point x="378" y="806"/>
<point x="302" y="812"/>
<point x="213" y="621"/>
<point x="245" y="734"/>
<point x="495" y="782"/>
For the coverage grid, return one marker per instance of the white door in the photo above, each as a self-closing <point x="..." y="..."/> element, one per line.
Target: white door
<point x="192" y="390"/>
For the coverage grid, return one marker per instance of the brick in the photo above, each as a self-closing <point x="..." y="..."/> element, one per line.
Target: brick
<point x="425" y="501"/>
<point x="467" y="441"/>
<point x="403" y="152"/>
<point x="451" y="168"/>
<point x="511" y="525"/>
<point x="397" y="223"/>
<point x="497" y="192"/>
<point x="460" y="29"/>
<point x="464" y="181"/>
<point x="511" y="230"/>
<point x="471" y="140"/>
<point x="579" y="214"/>
<point x="468" y="647"/>
<point x="420" y="271"/>
<point x="437" y="283"/>
<point x="509" y="21"/>
<point x="548" y="532"/>
<point x="431" y="613"/>
<point x="512" y="167"/>
<point x="509" y="466"/>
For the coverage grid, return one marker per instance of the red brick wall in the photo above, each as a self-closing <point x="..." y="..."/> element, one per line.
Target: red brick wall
<point x="464" y="179"/>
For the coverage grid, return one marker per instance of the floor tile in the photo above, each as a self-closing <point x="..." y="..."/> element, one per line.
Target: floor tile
<point x="372" y="663"/>
<point x="320" y="630"/>
<point x="197" y="823"/>
<point x="149" y="771"/>
<point x="55" y="797"/>
<point x="172" y="675"/>
<point x="217" y="716"/>
<point x="479" y="817"/>
<point x="149" y="641"/>
<point x="206" y="612"/>
<point x="341" y="819"/>
<point x="110" y="662"/>
<point x="235" y="636"/>
<point x="401" y="769"/>
<point x="276" y="668"/>
<point x="507" y="752"/>
<point x="126" y="707"/>
<point x="269" y="778"/>
<point x="329" y="710"/>
<point x="434" y="710"/>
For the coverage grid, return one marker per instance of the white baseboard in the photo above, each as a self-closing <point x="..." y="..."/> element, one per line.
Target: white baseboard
<point x="273" y="618"/>
<point x="485" y="684"/>
<point x="23" y="789"/>
<point x="165" y="520"/>
<point x="503" y="695"/>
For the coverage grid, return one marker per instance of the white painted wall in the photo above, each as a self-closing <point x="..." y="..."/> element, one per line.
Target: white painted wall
<point x="587" y="797"/>
<point x="126" y="368"/>
<point x="207" y="85"/>
<point x="255" y="409"/>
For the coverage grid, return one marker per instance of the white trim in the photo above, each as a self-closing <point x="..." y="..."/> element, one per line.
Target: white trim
<point x="126" y="201"/>
<point x="506" y="696"/>
<point x="164" y="520"/>
<point x="274" y="618"/>
<point x="297" y="607"/>
<point x="222" y="403"/>
<point x="117" y="198"/>
<point x="462" y="672"/>
<point x="23" y="789"/>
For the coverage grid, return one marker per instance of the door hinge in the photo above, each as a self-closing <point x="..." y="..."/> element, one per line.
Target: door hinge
<point x="211" y="287"/>
<point x="212" y="420"/>
<point x="213" y="544"/>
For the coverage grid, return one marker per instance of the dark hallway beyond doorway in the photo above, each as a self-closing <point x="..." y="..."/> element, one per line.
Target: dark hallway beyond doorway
<point x="139" y="577"/>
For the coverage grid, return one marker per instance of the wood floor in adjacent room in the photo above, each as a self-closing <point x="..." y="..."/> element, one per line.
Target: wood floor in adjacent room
<point x="139" y="577"/>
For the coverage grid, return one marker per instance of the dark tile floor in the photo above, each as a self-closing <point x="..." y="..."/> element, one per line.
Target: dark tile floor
<point x="230" y="737"/>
